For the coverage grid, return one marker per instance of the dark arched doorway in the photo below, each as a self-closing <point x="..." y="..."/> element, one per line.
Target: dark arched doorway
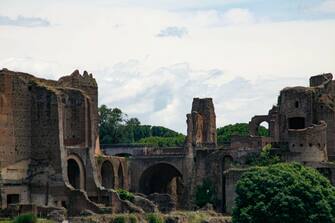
<point x="162" y="178"/>
<point x="107" y="175"/>
<point x="76" y="172"/>
<point x="73" y="173"/>
<point x="120" y="176"/>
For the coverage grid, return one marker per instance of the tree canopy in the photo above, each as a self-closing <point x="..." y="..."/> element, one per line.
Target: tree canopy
<point x="116" y="128"/>
<point x="241" y="129"/>
<point x="285" y="192"/>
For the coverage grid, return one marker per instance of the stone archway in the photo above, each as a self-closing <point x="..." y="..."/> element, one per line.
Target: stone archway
<point x="107" y="175"/>
<point x="76" y="172"/>
<point x="162" y="178"/>
<point x="120" y="176"/>
<point x="255" y="124"/>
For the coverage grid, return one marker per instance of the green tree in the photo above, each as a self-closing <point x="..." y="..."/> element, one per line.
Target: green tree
<point x="241" y="129"/>
<point x="164" y="141"/>
<point x="110" y="125"/>
<point x="115" y="127"/>
<point x="285" y="192"/>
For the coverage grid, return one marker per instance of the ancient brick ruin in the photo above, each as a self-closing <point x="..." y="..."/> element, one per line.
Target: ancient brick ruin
<point x="51" y="157"/>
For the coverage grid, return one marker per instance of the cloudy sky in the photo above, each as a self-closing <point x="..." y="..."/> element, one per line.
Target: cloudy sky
<point x="151" y="57"/>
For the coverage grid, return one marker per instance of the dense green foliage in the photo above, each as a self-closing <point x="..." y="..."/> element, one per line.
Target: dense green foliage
<point x="205" y="193"/>
<point x="242" y="129"/>
<point x="154" y="218"/>
<point x="125" y="195"/>
<point x="25" y="218"/>
<point x="164" y="141"/>
<point x="116" y="128"/>
<point x="119" y="219"/>
<point x="264" y="158"/>
<point x="284" y="192"/>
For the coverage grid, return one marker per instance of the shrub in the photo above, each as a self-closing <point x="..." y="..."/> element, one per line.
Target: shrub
<point x="132" y="218"/>
<point x="205" y="193"/>
<point x="154" y="218"/>
<point x="125" y="195"/>
<point x="25" y="218"/>
<point x="119" y="219"/>
<point x="264" y="158"/>
<point x="284" y="192"/>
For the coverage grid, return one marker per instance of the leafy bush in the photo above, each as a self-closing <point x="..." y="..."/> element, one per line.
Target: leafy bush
<point x="132" y="218"/>
<point x="154" y="218"/>
<point x="205" y="193"/>
<point x="25" y="218"/>
<point x="119" y="219"/>
<point x="264" y="158"/>
<point x="284" y="192"/>
<point x="125" y="195"/>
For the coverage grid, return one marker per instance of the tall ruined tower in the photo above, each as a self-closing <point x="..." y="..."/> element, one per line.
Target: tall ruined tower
<point x="201" y="123"/>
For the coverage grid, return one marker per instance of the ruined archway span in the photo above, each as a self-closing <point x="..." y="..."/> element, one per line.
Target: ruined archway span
<point x="255" y="123"/>
<point x="158" y="177"/>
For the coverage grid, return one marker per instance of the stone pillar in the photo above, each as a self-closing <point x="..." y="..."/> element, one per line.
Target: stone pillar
<point x="201" y="123"/>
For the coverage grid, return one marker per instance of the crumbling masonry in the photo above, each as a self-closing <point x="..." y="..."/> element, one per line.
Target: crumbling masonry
<point x="50" y="154"/>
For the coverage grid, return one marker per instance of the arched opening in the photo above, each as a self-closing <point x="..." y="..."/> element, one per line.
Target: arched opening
<point x="120" y="176"/>
<point x="76" y="172"/>
<point x="162" y="178"/>
<point x="296" y="123"/>
<point x="107" y="175"/>
<point x="263" y="129"/>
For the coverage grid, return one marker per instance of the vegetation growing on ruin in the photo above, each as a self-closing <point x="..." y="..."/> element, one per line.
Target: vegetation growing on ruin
<point x="125" y="195"/>
<point x="285" y="192"/>
<point x="241" y="129"/>
<point x="154" y="218"/>
<point x="116" y="128"/>
<point x="264" y="158"/>
<point x="205" y="193"/>
<point x="26" y="218"/>
<point x="120" y="219"/>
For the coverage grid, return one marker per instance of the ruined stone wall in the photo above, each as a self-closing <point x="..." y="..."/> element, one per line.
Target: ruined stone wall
<point x="45" y="170"/>
<point x="201" y="123"/>
<point x="74" y="104"/>
<point x="293" y="103"/>
<point x="15" y="123"/>
<point x="251" y="142"/>
<point x="88" y="85"/>
<point x="309" y="144"/>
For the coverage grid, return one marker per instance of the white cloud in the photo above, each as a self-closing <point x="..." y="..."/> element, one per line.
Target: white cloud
<point x="229" y="56"/>
<point x="173" y="31"/>
<point x="327" y="6"/>
<point x="238" y="16"/>
<point x="23" y="21"/>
